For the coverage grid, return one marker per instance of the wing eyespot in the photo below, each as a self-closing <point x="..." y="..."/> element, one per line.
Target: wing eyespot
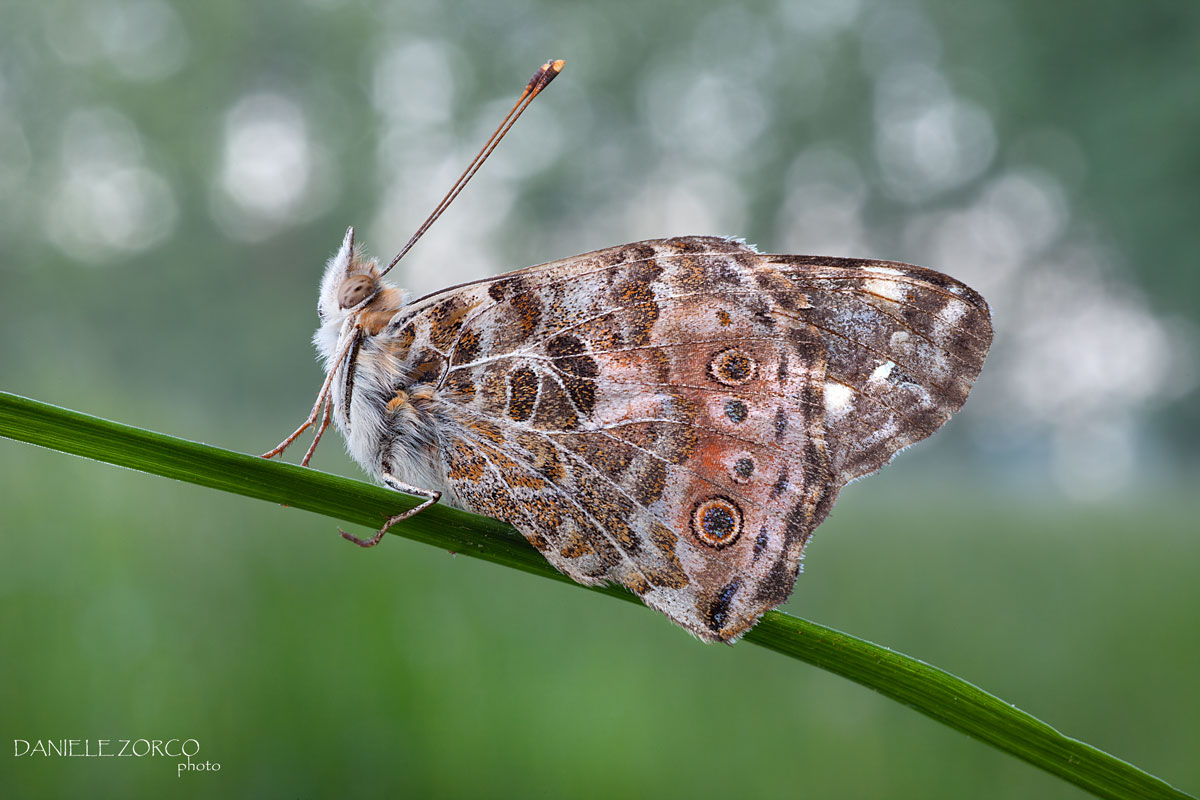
<point x="717" y="522"/>
<point x="732" y="367"/>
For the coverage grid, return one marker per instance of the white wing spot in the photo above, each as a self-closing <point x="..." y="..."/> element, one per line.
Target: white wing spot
<point x="881" y="372"/>
<point x="892" y="290"/>
<point x="837" y="398"/>
<point x="885" y="271"/>
<point x="949" y="314"/>
<point x="901" y="345"/>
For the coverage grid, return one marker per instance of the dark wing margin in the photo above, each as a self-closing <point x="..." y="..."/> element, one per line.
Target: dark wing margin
<point x="904" y="345"/>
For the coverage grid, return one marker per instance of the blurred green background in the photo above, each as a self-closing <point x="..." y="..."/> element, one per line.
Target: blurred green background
<point x="172" y="176"/>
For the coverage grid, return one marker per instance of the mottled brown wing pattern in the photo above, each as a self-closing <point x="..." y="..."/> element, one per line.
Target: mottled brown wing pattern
<point x="904" y="345"/>
<point x="678" y="415"/>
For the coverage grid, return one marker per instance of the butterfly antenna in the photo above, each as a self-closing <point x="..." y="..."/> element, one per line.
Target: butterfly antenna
<point x="540" y="80"/>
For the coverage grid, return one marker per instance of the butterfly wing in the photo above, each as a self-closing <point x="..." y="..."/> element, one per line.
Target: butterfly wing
<point x="677" y="415"/>
<point x="903" y="346"/>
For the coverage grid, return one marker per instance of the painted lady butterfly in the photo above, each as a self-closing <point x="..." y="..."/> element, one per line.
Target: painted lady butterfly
<point x="675" y="415"/>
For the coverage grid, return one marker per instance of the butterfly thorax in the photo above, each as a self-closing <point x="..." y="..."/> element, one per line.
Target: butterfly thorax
<point x="391" y="421"/>
<point x="385" y="393"/>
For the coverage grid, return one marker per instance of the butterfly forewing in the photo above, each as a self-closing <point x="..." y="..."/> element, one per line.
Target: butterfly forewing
<point x="903" y="346"/>
<point x="677" y="415"/>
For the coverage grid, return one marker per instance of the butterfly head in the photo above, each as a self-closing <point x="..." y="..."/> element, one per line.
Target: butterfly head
<point x="350" y="282"/>
<point x="352" y="288"/>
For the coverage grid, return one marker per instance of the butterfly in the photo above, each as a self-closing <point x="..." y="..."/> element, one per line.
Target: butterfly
<point x="674" y="415"/>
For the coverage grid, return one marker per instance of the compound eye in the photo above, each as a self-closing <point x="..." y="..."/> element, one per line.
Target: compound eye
<point x="354" y="290"/>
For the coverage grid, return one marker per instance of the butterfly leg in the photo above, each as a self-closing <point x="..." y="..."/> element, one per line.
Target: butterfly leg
<point x="392" y="482"/>
<point x="312" y="448"/>
<point x="323" y="399"/>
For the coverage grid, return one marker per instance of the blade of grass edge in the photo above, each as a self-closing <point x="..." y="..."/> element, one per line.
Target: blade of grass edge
<point x="924" y="688"/>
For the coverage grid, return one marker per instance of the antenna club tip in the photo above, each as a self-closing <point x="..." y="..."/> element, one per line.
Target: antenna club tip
<point x="546" y="73"/>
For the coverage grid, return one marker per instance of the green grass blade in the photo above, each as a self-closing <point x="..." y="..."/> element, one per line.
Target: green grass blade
<point x="929" y="690"/>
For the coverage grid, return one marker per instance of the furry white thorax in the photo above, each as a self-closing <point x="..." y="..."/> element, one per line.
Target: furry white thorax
<point x="402" y="442"/>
